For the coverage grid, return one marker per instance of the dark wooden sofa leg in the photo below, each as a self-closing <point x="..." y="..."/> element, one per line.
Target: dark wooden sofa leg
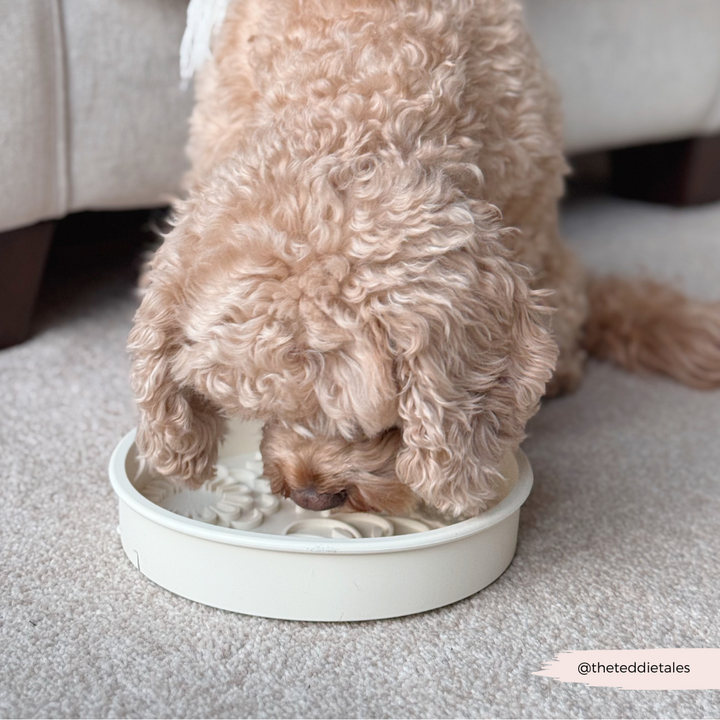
<point x="23" y="253"/>
<point x="685" y="172"/>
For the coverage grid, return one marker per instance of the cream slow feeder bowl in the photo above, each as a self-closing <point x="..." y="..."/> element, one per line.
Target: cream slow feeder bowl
<point x="233" y="545"/>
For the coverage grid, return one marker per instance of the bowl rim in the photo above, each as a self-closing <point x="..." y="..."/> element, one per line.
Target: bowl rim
<point x="129" y="495"/>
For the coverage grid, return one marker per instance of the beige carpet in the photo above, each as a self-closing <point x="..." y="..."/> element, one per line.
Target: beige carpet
<point x="619" y="541"/>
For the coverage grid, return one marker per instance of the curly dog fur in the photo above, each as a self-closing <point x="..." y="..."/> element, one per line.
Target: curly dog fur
<point x="368" y="258"/>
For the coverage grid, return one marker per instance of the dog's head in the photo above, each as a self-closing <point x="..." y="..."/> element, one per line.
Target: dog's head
<point x="322" y="472"/>
<point x="399" y="350"/>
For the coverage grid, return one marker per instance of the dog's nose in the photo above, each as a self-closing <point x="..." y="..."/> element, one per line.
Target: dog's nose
<point x="311" y="499"/>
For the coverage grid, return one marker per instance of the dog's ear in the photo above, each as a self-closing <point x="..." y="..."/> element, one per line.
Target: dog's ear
<point x="179" y="429"/>
<point x="473" y="356"/>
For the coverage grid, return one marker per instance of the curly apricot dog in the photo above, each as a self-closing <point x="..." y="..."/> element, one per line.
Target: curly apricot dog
<point x="368" y="259"/>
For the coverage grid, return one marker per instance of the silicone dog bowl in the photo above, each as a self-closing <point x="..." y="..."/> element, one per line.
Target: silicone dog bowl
<point x="232" y="545"/>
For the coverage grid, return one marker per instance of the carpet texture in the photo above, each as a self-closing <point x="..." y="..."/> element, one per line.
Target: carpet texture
<point x="619" y="541"/>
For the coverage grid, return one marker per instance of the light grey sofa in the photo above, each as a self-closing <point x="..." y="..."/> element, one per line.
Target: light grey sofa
<point x="92" y="115"/>
<point x="91" y="112"/>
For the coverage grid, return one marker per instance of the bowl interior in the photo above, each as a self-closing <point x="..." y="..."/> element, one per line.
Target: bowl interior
<point x="236" y="507"/>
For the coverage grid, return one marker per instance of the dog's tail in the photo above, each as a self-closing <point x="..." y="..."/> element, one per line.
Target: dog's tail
<point x="648" y="326"/>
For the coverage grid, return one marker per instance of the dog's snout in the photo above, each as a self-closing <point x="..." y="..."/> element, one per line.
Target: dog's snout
<point x="310" y="499"/>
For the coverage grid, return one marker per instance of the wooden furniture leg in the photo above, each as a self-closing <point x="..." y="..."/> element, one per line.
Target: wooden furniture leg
<point x="23" y="253"/>
<point x="686" y="172"/>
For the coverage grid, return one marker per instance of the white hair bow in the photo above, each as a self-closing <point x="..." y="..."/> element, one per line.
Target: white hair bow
<point x="203" y="16"/>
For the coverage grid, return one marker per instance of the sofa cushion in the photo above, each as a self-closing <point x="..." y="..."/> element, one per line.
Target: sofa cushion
<point x="33" y="149"/>
<point x="129" y="117"/>
<point x="92" y="115"/>
<point x="631" y="71"/>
